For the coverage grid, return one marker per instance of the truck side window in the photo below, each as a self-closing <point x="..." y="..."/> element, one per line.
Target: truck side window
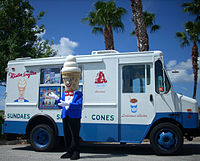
<point x="50" y="76"/>
<point x="148" y="75"/>
<point x="167" y="84"/>
<point x="162" y="83"/>
<point x="133" y="79"/>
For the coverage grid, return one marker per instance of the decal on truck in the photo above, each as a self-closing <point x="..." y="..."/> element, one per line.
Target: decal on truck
<point x="133" y="104"/>
<point x="21" y="88"/>
<point x="25" y="74"/>
<point x="103" y="117"/>
<point x="100" y="82"/>
<point x="100" y="78"/>
<point x="46" y="102"/>
<point x="18" y="115"/>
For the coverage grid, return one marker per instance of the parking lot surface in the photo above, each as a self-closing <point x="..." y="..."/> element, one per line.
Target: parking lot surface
<point x="92" y="152"/>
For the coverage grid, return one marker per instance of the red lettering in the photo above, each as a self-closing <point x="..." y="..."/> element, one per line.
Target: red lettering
<point x="25" y="74"/>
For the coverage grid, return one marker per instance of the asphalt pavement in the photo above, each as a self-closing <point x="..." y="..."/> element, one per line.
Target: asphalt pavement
<point x="93" y="152"/>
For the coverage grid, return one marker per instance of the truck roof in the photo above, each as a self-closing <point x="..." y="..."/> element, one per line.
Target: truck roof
<point x="96" y="56"/>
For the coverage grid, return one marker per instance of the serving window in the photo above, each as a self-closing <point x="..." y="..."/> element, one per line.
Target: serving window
<point x="50" y="76"/>
<point x="51" y="81"/>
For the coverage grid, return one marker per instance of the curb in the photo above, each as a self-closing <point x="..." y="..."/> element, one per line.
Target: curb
<point x="12" y="142"/>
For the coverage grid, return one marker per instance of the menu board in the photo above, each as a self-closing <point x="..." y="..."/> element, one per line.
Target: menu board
<point x="46" y="102"/>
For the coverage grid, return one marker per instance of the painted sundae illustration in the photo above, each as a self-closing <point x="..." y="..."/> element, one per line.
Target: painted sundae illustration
<point x="133" y="104"/>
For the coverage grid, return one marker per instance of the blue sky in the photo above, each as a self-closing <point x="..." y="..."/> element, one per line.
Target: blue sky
<point x="62" y="21"/>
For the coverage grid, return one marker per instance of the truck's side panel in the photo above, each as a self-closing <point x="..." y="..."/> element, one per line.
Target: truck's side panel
<point x="100" y="111"/>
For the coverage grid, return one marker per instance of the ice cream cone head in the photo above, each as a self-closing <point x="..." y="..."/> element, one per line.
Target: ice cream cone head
<point x="21" y="86"/>
<point x="71" y="74"/>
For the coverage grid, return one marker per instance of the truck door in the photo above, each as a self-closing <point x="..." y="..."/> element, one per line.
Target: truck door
<point x="166" y="100"/>
<point x="137" y="101"/>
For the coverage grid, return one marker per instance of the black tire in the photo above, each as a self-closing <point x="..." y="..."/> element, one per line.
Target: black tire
<point x="166" y="139"/>
<point x="42" y="138"/>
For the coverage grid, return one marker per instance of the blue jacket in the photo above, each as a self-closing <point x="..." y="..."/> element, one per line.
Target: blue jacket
<point x="75" y="107"/>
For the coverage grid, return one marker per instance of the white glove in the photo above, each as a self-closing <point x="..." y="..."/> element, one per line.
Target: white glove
<point x="63" y="104"/>
<point x="53" y="95"/>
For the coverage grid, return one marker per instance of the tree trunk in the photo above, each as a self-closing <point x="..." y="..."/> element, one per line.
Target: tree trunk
<point x="108" y="36"/>
<point x="140" y="29"/>
<point x="195" y="67"/>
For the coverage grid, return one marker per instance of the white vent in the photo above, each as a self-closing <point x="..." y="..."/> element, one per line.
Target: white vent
<point x="22" y="59"/>
<point x="104" y="52"/>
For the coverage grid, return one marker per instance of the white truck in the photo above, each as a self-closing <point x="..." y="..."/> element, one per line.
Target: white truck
<point x="127" y="97"/>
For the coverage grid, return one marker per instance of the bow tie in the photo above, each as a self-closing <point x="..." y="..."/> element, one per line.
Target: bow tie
<point x="21" y="98"/>
<point x="69" y="93"/>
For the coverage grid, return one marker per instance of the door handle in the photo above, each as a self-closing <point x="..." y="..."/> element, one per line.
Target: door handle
<point x="151" y="97"/>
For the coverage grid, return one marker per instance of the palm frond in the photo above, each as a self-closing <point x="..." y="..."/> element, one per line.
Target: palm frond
<point x="193" y="30"/>
<point x="154" y="28"/>
<point x="192" y="8"/>
<point x="183" y="38"/>
<point x="133" y="33"/>
<point x="106" y="14"/>
<point x="97" y="30"/>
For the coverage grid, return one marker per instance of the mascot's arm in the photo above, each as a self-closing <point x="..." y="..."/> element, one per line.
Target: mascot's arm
<point x="77" y="104"/>
<point x="59" y="100"/>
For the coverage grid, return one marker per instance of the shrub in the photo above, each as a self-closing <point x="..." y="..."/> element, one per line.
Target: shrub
<point x="1" y="120"/>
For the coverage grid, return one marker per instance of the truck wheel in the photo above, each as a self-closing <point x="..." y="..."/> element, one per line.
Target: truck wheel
<point x="166" y="139"/>
<point x="42" y="138"/>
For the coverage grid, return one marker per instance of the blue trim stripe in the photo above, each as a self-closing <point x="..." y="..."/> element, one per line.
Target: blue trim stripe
<point x="132" y="133"/>
<point x="99" y="132"/>
<point x="190" y="120"/>
<point x="186" y="119"/>
<point x="15" y="127"/>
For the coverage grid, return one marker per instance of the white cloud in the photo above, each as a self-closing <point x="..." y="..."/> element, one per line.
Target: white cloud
<point x="171" y="63"/>
<point x="181" y="72"/>
<point x="65" y="47"/>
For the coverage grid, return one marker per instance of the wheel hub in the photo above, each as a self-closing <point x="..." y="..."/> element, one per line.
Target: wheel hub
<point x="166" y="140"/>
<point x="41" y="137"/>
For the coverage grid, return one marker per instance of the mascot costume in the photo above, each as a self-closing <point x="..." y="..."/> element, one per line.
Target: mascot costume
<point x="71" y="104"/>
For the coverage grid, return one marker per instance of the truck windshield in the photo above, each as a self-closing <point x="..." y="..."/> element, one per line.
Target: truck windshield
<point x="162" y="84"/>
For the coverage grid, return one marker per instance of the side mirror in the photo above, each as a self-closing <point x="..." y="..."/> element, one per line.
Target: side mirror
<point x="161" y="90"/>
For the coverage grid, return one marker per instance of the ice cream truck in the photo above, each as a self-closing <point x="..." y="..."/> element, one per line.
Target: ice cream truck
<point x="127" y="97"/>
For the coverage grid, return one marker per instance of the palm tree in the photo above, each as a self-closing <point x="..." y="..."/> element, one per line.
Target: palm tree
<point x="105" y="19"/>
<point x="193" y="8"/>
<point x="140" y="29"/>
<point x="192" y="34"/>
<point x="149" y="21"/>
